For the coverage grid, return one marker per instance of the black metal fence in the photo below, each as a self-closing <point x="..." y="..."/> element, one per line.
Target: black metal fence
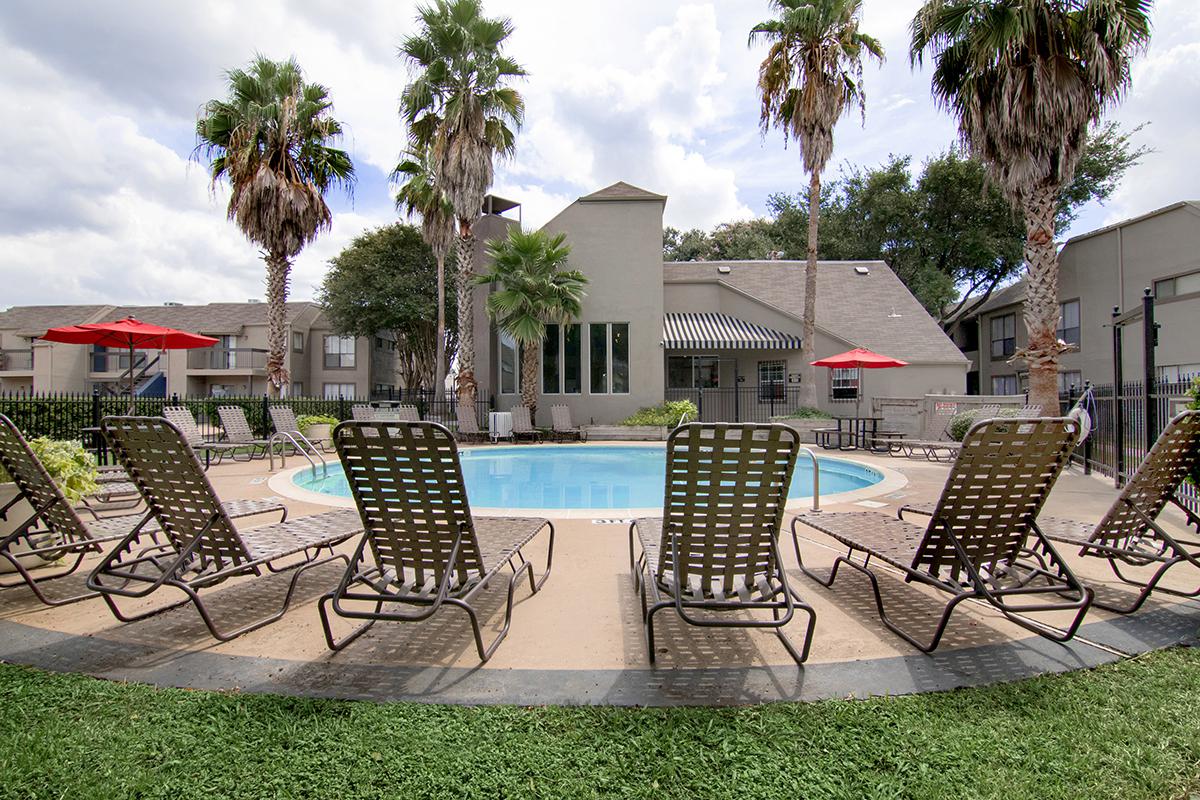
<point x="1120" y="435"/>
<point x="62" y="415"/>
<point x="743" y="403"/>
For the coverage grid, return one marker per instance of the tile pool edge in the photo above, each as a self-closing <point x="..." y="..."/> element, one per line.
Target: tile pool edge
<point x="281" y="483"/>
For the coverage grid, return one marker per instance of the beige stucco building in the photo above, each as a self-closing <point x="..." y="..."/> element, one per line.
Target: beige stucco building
<point x="1099" y="271"/>
<point x="321" y="362"/>
<point x="652" y="330"/>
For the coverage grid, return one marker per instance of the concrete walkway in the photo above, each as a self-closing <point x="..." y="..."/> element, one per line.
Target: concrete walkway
<point x="581" y="641"/>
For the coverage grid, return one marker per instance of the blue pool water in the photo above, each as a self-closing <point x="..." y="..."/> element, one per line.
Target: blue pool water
<point x="566" y="477"/>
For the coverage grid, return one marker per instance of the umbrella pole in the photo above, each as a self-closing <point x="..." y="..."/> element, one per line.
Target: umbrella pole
<point x="131" y="403"/>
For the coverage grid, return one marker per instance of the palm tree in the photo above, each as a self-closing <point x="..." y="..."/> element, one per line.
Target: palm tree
<point x="811" y="76"/>
<point x="460" y="107"/>
<point x="534" y="290"/>
<point x="420" y="194"/>
<point x="271" y="138"/>
<point x="1026" y="79"/>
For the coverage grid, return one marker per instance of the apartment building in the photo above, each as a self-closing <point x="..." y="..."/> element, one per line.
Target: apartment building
<point x="651" y="330"/>
<point x="1099" y="271"/>
<point x="321" y="362"/>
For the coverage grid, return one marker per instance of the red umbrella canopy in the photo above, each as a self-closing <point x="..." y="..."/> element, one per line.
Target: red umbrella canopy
<point x="860" y="357"/>
<point x="128" y="333"/>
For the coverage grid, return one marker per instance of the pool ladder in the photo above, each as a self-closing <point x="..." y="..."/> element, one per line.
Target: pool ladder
<point x="296" y="438"/>
<point x="816" y="467"/>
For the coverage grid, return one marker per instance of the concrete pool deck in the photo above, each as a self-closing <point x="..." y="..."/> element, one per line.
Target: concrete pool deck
<point x="581" y="640"/>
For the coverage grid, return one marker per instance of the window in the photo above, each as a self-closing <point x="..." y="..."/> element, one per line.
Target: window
<point x="1179" y="373"/>
<point x="1004" y="336"/>
<point x="772" y="380"/>
<point x="509" y="365"/>
<point x="843" y="384"/>
<point x="693" y="372"/>
<point x="221" y="390"/>
<point x="385" y="388"/>
<point x="297" y="389"/>
<point x="224" y="355"/>
<point x="1180" y="284"/>
<point x="1069" y="380"/>
<point x="969" y="336"/>
<point x="561" y="356"/>
<point x="1004" y="384"/>
<point x="339" y="352"/>
<point x="608" y="356"/>
<point x="297" y="342"/>
<point x="333" y="391"/>
<point x="1068" y="322"/>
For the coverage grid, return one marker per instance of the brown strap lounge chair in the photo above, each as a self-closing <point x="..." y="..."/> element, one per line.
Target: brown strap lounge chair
<point x="564" y="429"/>
<point x="363" y="413"/>
<point x="237" y="430"/>
<point x="407" y="414"/>
<point x="287" y="429"/>
<point x="468" y="424"/>
<point x="199" y="546"/>
<point x="182" y="419"/>
<point x="981" y="534"/>
<point x="716" y="547"/>
<point x="522" y="425"/>
<point x="55" y="530"/>
<point x="944" y="449"/>
<point x="421" y="548"/>
<point x="1129" y="536"/>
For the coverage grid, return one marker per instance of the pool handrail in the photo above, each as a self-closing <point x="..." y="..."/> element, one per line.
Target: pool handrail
<point x="816" y="470"/>
<point x="296" y="438"/>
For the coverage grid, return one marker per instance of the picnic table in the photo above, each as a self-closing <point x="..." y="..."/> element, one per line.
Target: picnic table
<point x="855" y="433"/>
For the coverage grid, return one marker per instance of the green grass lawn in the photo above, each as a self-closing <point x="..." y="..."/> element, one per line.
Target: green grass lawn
<point x="1127" y="731"/>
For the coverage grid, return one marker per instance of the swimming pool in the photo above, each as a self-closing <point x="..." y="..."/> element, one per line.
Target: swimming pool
<point x="587" y="477"/>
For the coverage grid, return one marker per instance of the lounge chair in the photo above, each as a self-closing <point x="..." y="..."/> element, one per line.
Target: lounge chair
<point x="468" y="424"/>
<point x="522" y="425"/>
<point x="944" y="449"/>
<point x="1128" y="536"/>
<point x="237" y="430"/>
<point x="563" y="427"/>
<point x="57" y="531"/>
<point x="981" y="540"/>
<point x="407" y="414"/>
<point x="716" y="546"/>
<point x="421" y="547"/>
<point x="182" y="418"/>
<point x="363" y="413"/>
<point x="287" y="430"/>
<point x="199" y="546"/>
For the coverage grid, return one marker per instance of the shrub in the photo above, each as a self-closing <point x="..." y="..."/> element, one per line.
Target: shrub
<point x="306" y="421"/>
<point x="805" y="412"/>
<point x="71" y="467"/>
<point x="667" y="414"/>
<point x="963" y="420"/>
<point x="1194" y="393"/>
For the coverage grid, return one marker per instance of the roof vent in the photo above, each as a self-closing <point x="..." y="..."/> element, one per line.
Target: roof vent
<point x="172" y="304"/>
<point x="862" y="270"/>
<point x="724" y="270"/>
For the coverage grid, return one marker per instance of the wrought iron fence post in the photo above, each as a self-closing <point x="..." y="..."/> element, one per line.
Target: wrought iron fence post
<point x="1149" y="340"/>
<point x="1118" y="405"/>
<point x="266" y="416"/>
<point x="97" y="437"/>
<point x="342" y="407"/>
<point x="1087" y="443"/>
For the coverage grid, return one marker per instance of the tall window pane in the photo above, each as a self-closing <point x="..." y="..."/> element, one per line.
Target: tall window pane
<point x="679" y="372"/>
<point x="598" y="357"/>
<point x="620" y="357"/>
<point x="550" y="365"/>
<point x="508" y="364"/>
<point x="573" y="359"/>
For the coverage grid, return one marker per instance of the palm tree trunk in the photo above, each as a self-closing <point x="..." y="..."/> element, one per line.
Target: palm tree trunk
<point x="466" y="314"/>
<point x="808" y="384"/>
<point x="278" y="269"/>
<point x="439" y="369"/>
<point x="529" y="370"/>
<point x="1041" y="310"/>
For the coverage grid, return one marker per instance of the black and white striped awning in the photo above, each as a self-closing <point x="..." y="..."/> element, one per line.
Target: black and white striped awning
<point x="722" y="332"/>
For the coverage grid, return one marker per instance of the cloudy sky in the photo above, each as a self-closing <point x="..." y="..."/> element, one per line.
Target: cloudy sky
<point x="102" y="203"/>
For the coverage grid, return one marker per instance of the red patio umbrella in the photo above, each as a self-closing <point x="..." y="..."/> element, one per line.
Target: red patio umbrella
<point x="861" y="358"/>
<point x="130" y="334"/>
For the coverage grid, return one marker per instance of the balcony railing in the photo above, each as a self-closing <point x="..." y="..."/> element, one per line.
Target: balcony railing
<point x="230" y="358"/>
<point x="115" y="361"/>
<point x="16" y="360"/>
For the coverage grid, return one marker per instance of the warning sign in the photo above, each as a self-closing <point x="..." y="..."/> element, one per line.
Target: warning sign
<point x="945" y="409"/>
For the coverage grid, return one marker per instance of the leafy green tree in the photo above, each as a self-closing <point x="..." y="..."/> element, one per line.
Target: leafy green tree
<point x="811" y="76"/>
<point x="692" y="245"/>
<point x="386" y="280"/>
<point x="1026" y="80"/>
<point x="461" y="108"/>
<point x="534" y="289"/>
<point x="271" y="139"/>
<point x="420" y="194"/>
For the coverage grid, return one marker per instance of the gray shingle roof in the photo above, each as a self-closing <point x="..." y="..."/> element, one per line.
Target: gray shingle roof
<point x="214" y="317"/>
<point x="875" y="310"/>
<point x="622" y="191"/>
<point x="1013" y="293"/>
